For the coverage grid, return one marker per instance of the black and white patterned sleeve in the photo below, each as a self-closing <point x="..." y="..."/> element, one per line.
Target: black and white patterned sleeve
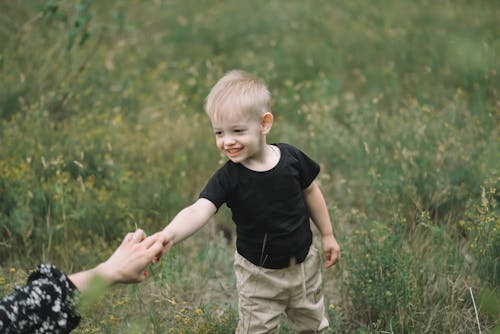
<point x="43" y="305"/>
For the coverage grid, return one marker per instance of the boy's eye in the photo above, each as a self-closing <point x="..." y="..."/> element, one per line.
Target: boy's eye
<point x="239" y="130"/>
<point x="217" y="133"/>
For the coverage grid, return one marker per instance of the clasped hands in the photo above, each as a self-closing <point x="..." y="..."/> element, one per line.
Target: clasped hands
<point x="130" y="259"/>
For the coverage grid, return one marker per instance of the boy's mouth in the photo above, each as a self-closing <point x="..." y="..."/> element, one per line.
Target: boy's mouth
<point x="233" y="152"/>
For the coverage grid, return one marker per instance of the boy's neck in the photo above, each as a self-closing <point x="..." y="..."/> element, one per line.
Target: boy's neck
<point x="265" y="160"/>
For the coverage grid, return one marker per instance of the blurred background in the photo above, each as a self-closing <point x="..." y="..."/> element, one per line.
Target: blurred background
<point x="102" y="130"/>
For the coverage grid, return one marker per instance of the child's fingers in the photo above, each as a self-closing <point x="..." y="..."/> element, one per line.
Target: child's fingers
<point x="331" y="257"/>
<point x="159" y="237"/>
<point x="155" y="251"/>
<point x="329" y="261"/>
<point x="156" y="248"/>
<point x="335" y="256"/>
<point x="167" y="246"/>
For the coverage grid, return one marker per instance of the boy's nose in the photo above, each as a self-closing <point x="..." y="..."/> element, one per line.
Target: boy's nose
<point x="228" y="141"/>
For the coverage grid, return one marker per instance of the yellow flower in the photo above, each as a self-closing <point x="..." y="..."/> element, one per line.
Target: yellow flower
<point x="331" y="306"/>
<point x="12" y="270"/>
<point x="112" y="319"/>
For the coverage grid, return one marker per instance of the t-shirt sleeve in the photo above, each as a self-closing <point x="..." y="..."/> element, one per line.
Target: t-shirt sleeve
<point x="218" y="187"/>
<point x="309" y="168"/>
<point x="45" y="304"/>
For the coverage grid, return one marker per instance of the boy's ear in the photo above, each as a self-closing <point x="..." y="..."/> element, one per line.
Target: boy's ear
<point x="267" y="123"/>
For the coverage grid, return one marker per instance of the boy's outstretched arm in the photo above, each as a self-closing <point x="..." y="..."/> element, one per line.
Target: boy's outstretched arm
<point x="187" y="221"/>
<point x="319" y="214"/>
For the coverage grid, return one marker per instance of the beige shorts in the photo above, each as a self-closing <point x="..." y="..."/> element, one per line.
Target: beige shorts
<point x="266" y="294"/>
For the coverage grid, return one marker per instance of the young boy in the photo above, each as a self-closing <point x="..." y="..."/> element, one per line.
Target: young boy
<point x="272" y="194"/>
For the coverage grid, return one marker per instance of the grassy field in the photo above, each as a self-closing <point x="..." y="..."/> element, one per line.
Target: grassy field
<point x="102" y="130"/>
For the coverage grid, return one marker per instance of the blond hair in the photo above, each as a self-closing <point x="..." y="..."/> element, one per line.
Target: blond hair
<point x="238" y="92"/>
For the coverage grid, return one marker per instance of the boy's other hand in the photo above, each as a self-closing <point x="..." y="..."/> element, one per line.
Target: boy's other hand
<point x="331" y="250"/>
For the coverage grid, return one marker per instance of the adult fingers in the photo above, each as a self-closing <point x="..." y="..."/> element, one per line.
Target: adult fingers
<point x="139" y="235"/>
<point x="128" y="237"/>
<point x="156" y="250"/>
<point x="151" y="240"/>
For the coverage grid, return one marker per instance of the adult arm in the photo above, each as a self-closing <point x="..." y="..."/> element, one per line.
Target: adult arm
<point x="319" y="214"/>
<point x="45" y="303"/>
<point x="127" y="263"/>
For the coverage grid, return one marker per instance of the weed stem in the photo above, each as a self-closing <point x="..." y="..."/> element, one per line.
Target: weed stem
<point x="475" y="309"/>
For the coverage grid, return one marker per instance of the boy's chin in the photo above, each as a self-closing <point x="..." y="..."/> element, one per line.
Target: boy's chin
<point x="236" y="160"/>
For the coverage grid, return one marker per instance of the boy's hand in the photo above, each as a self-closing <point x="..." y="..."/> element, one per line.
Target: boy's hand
<point x="166" y="242"/>
<point x="331" y="250"/>
<point x="130" y="259"/>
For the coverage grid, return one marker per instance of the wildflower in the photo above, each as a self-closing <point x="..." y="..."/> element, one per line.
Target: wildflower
<point x="121" y="302"/>
<point x="113" y="320"/>
<point x="12" y="270"/>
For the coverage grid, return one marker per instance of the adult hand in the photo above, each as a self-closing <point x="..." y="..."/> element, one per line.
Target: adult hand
<point x="129" y="260"/>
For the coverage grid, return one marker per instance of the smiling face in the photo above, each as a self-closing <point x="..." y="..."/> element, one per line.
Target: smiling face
<point x="239" y="108"/>
<point x="240" y="137"/>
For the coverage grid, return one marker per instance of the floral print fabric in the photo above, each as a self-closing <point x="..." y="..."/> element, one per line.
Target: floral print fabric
<point x="43" y="305"/>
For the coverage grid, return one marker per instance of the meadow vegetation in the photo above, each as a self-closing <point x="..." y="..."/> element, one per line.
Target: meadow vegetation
<point x="102" y="130"/>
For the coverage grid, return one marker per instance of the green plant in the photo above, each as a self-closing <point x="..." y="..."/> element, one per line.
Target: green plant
<point x="482" y="225"/>
<point x="380" y="282"/>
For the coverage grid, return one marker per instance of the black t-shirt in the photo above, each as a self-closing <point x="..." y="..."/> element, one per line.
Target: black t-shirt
<point x="269" y="209"/>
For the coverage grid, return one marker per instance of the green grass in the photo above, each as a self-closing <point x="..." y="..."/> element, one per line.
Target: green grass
<point x="102" y="129"/>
